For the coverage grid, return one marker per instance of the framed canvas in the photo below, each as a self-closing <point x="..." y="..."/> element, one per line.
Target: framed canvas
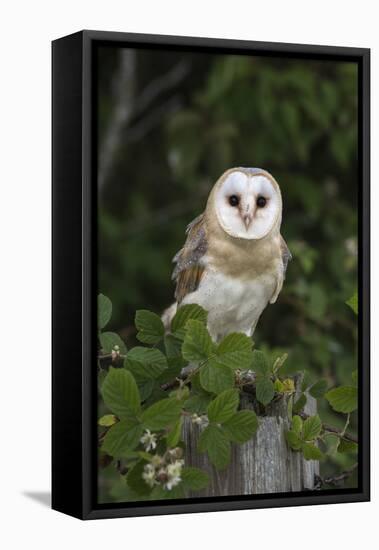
<point x="237" y="376"/>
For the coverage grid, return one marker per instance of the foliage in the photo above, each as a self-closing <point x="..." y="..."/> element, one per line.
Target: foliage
<point x="141" y="432"/>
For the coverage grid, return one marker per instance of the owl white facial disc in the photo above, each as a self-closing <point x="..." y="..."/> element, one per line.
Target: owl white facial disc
<point x="247" y="206"/>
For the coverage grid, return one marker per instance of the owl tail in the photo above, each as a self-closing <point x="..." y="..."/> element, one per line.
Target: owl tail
<point x="168" y="314"/>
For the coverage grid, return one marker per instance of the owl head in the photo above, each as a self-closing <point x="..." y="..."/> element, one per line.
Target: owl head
<point x="247" y="203"/>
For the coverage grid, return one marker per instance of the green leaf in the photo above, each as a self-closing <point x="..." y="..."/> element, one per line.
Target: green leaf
<point x="197" y="345"/>
<point x="306" y="380"/>
<point x="311" y="452"/>
<point x="122" y="438"/>
<point x="174" y="435"/>
<point x="145" y="363"/>
<point x="184" y="314"/>
<point x="135" y="480"/>
<point x="353" y="302"/>
<point x="343" y="399"/>
<point x="297" y="425"/>
<point x="265" y="390"/>
<point x="173" y="371"/>
<point x="197" y="403"/>
<point x="162" y="414"/>
<point x="157" y="394"/>
<point x="194" y="479"/>
<point x="311" y="428"/>
<point x="224" y="406"/>
<point x="120" y="393"/>
<point x="107" y="420"/>
<point x="318" y="389"/>
<point x="104" y="311"/>
<point x="293" y="440"/>
<point x="300" y="403"/>
<point x="235" y="351"/>
<point x="145" y="389"/>
<point x="173" y="346"/>
<point x="242" y="426"/>
<point x="278" y="386"/>
<point x="215" y="443"/>
<point x="150" y="327"/>
<point x="288" y="385"/>
<point x="279" y="362"/>
<point x="290" y="407"/>
<point x="260" y="364"/>
<point x="108" y="341"/>
<point x="347" y="446"/>
<point x="216" y="378"/>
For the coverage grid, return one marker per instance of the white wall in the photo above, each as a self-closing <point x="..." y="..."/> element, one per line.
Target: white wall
<point x="26" y="31"/>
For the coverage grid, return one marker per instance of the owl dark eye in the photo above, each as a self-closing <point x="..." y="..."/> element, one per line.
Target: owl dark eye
<point x="233" y="200"/>
<point x="261" y="202"/>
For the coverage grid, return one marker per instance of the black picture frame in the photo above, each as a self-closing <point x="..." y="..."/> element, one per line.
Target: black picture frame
<point x="75" y="286"/>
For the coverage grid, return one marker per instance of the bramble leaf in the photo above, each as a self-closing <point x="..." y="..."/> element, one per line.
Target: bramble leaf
<point x="264" y="390"/>
<point x="260" y="364"/>
<point x="122" y="438"/>
<point x="194" y="479"/>
<point x="353" y="302"/>
<point x="278" y="386"/>
<point x="104" y="310"/>
<point x="279" y="362"/>
<point x="293" y="440"/>
<point x="215" y="443"/>
<point x="311" y="428"/>
<point x="108" y="341"/>
<point x="311" y="452"/>
<point x="343" y="399"/>
<point x="173" y="437"/>
<point x="197" y="345"/>
<point x="224" y="406"/>
<point x="300" y="403"/>
<point x="145" y="389"/>
<point x="173" y="346"/>
<point x="184" y="314"/>
<point x="162" y="414"/>
<point x="297" y="425"/>
<point x="150" y="327"/>
<point x="235" y="351"/>
<point x="242" y="426"/>
<point x="347" y="446"/>
<point x="120" y="393"/>
<point x="197" y="403"/>
<point x="135" y="480"/>
<point x="216" y="378"/>
<point x="107" y="420"/>
<point x="288" y="385"/>
<point x="318" y="389"/>
<point x="145" y="363"/>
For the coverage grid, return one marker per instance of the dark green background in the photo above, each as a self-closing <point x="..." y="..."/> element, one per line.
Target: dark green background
<point x="170" y="123"/>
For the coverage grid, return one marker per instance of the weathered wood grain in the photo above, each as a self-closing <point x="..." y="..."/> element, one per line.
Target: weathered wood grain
<point x="265" y="464"/>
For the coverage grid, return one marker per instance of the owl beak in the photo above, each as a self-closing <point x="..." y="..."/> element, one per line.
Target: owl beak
<point x="247" y="219"/>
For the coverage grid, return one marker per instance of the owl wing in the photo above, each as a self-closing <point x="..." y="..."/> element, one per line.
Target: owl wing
<point x="286" y="256"/>
<point x="189" y="269"/>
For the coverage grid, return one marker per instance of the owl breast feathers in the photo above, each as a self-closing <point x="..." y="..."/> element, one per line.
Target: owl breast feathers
<point x="234" y="259"/>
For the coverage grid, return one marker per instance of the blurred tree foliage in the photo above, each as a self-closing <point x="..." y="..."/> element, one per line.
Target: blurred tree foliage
<point x="170" y="123"/>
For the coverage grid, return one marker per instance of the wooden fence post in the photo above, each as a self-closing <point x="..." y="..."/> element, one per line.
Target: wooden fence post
<point x="265" y="464"/>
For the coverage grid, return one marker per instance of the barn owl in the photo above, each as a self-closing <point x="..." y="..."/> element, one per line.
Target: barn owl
<point x="234" y="260"/>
